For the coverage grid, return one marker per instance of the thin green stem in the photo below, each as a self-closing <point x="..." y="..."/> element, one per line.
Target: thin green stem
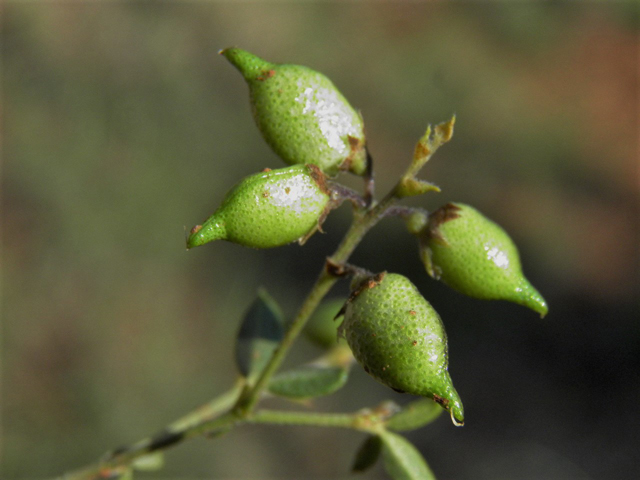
<point x="209" y="410"/>
<point x="367" y="420"/>
<point x="251" y="395"/>
<point x="202" y="419"/>
<point x="142" y="448"/>
<point x="341" y="420"/>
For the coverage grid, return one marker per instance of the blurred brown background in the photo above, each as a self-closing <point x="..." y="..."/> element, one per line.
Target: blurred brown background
<point x="122" y="126"/>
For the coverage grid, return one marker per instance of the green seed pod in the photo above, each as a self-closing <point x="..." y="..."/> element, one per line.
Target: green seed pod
<point x="322" y="327"/>
<point x="302" y="115"/>
<point x="475" y="256"/>
<point x="268" y="209"/>
<point x="399" y="339"/>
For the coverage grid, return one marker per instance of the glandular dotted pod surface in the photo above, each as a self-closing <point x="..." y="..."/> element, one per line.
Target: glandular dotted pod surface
<point x="475" y="256"/>
<point x="268" y="209"/>
<point x="302" y="115"/>
<point x="399" y="339"/>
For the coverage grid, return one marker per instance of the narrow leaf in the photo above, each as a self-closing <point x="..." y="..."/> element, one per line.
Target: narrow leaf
<point x="431" y="141"/>
<point x="410" y="187"/>
<point x="259" y="335"/>
<point x="150" y="462"/>
<point x="415" y="415"/>
<point x="308" y="382"/>
<point x="368" y="454"/>
<point x="402" y="460"/>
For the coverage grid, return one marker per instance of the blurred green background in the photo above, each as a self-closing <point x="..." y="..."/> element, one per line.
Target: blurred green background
<point x="122" y="127"/>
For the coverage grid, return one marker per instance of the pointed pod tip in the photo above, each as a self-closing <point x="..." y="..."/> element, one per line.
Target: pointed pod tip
<point x="456" y="410"/>
<point x="231" y="54"/>
<point x="192" y="242"/>
<point x="249" y="65"/>
<point x="542" y="309"/>
<point x="449" y="399"/>
<point x="533" y="299"/>
<point x="226" y="51"/>
<point x="537" y="304"/>
<point x="201" y="234"/>
<point x="458" y="421"/>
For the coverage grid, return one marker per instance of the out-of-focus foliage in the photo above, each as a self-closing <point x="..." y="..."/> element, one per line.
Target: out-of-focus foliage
<point x="122" y="125"/>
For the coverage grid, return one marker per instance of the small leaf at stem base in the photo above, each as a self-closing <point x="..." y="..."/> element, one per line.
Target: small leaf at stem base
<point x="431" y="141"/>
<point x="402" y="460"/>
<point x="259" y="335"/>
<point x="410" y="187"/>
<point x="415" y="415"/>
<point x="368" y="454"/>
<point x="308" y="382"/>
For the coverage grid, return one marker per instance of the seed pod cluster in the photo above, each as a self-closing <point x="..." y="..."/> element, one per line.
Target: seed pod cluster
<point x="268" y="209"/>
<point x="399" y="339"/>
<point x="302" y="115"/>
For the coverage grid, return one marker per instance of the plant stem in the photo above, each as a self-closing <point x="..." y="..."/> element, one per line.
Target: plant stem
<point x="251" y="395"/>
<point x="365" y="420"/>
<point x="209" y="410"/>
<point x="342" y="420"/>
<point x="201" y="419"/>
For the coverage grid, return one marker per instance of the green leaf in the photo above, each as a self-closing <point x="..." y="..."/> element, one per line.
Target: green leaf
<point x="259" y="335"/>
<point x="368" y="454"/>
<point x="402" y="460"/>
<point x="308" y="382"/>
<point x="410" y="187"/>
<point x="415" y="415"/>
<point x="148" y="463"/>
